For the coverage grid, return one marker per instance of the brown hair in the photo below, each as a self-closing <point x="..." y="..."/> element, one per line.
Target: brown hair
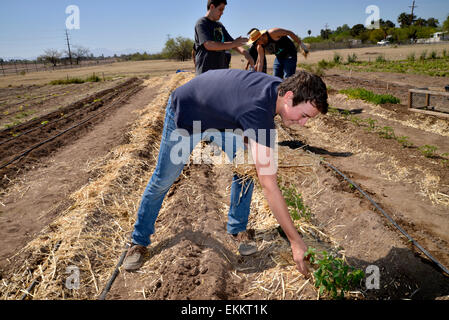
<point x="306" y="87"/>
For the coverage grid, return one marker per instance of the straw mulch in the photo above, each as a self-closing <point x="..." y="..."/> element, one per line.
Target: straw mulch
<point x="91" y="234"/>
<point x="299" y="170"/>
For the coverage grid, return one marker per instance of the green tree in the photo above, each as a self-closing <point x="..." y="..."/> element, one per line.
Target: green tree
<point x="432" y="22"/>
<point x="405" y="19"/>
<point x="421" y="22"/>
<point x="377" y="35"/>
<point x="357" y="30"/>
<point x="179" y="48"/>
<point x="446" y="24"/>
<point x="386" y="24"/>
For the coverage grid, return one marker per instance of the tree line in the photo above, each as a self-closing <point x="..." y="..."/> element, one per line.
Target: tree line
<point x="409" y="28"/>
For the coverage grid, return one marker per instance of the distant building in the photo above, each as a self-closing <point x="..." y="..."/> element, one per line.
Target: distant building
<point x="440" y="36"/>
<point x="436" y="37"/>
<point x="355" y="42"/>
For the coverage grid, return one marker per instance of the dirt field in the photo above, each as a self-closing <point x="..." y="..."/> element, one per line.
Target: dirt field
<point x="73" y="202"/>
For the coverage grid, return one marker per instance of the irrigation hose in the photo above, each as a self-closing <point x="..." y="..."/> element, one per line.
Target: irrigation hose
<point x="390" y="219"/>
<point x="54" y="137"/>
<point x="424" y="251"/>
<point x="114" y="274"/>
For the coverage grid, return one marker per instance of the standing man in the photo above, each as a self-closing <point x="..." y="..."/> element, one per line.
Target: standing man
<point x="212" y="40"/>
<point x="276" y="41"/>
<point x="222" y="102"/>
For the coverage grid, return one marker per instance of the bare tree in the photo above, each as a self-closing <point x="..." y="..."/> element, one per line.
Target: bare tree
<point x="79" y="53"/>
<point x="52" y="56"/>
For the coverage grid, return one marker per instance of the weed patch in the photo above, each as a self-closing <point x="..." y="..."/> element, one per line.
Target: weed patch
<point x="366" y="95"/>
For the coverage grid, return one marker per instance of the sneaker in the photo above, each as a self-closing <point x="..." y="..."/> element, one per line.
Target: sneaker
<point x="246" y="245"/>
<point x="135" y="257"/>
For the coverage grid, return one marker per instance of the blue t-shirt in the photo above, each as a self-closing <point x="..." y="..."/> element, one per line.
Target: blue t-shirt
<point x="229" y="99"/>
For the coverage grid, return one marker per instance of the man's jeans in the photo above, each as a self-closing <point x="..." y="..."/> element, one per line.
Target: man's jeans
<point x="167" y="171"/>
<point x="284" y="68"/>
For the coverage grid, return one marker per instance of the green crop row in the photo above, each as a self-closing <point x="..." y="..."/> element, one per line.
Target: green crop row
<point x="366" y="95"/>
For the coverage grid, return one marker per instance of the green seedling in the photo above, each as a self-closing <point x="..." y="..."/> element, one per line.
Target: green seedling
<point x="333" y="276"/>
<point x="428" y="151"/>
<point x="404" y="141"/>
<point x="387" y="133"/>
<point x="356" y="120"/>
<point x="296" y="205"/>
<point x="44" y="123"/>
<point x="371" y="124"/>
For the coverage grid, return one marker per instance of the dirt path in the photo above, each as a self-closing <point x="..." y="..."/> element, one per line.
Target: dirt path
<point x="42" y="194"/>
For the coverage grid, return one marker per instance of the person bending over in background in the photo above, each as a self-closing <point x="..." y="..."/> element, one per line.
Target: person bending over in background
<point x="222" y="103"/>
<point x="259" y="65"/>
<point x="276" y="41"/>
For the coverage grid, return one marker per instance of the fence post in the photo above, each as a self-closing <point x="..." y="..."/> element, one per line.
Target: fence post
<point x="3" y="70"/>
<point x="35" y="64"/>
<point x="26" y="66"/>
<point x="15" y="66"/>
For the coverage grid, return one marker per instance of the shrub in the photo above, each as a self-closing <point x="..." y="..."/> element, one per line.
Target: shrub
<point x="381" y="59"/>
<point x="352" y="58"/>
<point x="92" y="78"/>
<point x="333" y="275"/>
<point x="337" y="58"/>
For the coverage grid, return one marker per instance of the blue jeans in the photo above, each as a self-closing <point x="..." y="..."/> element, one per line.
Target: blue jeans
<point x="284" y="68"/>
<point x="167" y="171"/>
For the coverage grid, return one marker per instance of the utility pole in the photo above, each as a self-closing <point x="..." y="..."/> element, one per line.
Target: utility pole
<point x="68" y="45"/>
<point x="413" y="6"/>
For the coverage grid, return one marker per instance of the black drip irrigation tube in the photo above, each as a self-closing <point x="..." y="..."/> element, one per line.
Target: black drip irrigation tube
<point x="426" y="253"/>
<point x="410" y="239"/>
<point x="114" y="274"/>
<point x="54" y="137"/>
<point x="42" y="126"/>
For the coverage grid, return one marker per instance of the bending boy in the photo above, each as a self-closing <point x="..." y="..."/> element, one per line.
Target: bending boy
<point x="219" y="103"/>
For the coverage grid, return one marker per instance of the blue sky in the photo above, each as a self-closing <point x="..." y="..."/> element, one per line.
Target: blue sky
<point x="28" y="27"/>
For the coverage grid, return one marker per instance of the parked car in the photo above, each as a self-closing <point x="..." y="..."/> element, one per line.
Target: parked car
<point x="383" y="43"/>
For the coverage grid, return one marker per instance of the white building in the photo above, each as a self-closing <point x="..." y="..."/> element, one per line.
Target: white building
<point x="436" y="37"/>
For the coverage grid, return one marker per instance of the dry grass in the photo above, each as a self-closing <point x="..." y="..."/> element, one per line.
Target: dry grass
<point x="92" y="233"/>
